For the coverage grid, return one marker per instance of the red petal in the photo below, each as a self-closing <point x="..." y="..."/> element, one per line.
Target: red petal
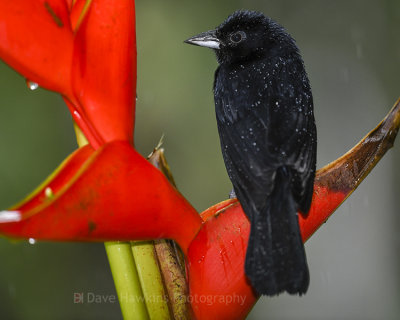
<point x="36" y="40"/>
<point x="104" y="69"/>
<point x="116" y="195"/>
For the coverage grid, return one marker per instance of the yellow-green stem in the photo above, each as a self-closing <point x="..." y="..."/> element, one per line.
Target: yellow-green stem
<point x="126" y="280"/>
<point x="150" y="279"/>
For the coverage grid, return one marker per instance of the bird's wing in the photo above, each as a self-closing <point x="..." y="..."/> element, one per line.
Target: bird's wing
<point x="262" y="130"/>
<point x="250" y="167"/>
<point x="299" y="141"/>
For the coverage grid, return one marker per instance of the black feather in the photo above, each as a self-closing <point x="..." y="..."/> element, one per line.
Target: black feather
<point x="265" y="118"/>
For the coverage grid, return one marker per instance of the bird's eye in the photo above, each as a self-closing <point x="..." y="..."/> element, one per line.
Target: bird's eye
<point x="237" y="37"/>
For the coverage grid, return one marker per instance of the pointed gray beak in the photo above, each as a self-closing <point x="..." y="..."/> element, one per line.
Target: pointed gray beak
<point x="206" y="39"/>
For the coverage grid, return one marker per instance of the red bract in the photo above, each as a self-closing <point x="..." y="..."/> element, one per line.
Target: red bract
<point x="86" y="51"/>
<point x="104" y="68"/>
<point x="115" y="194"/>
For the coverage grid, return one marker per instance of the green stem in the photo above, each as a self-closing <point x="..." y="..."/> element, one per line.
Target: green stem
<point x="126" y="280"/>
<point x="150" y="279"/>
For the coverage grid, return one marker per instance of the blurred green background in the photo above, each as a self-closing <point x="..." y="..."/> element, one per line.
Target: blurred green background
<point x="352" y="53"/>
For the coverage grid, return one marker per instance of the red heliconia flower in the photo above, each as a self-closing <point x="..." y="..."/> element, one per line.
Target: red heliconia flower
<point x="86" y="51"/>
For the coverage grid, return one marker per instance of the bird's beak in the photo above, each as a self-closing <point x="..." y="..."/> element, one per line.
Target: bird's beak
<point x="206" y="39"/>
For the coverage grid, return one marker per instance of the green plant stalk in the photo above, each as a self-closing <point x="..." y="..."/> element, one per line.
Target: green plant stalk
<point x="150" y="279"/>
<point x="126" y="280"/>
<point x="123" y="269"/>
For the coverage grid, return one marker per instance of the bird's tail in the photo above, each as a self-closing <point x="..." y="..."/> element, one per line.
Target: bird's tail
<point x="275" y="258"/>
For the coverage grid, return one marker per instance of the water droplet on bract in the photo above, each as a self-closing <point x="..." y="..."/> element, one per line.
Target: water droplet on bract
<point x="10" y="216"/>
<point x="48" y="193"/>
<point x="32" y="85"/>
<point x="31" y="241"/>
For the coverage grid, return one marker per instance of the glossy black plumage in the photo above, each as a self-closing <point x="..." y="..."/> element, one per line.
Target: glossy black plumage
<point x="264" y="111"/>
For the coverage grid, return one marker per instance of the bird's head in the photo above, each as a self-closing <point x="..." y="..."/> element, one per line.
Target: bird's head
<point x="245" y="35"/>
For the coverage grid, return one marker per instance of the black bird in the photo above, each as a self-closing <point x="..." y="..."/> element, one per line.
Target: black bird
<point x="265" y="118"/>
